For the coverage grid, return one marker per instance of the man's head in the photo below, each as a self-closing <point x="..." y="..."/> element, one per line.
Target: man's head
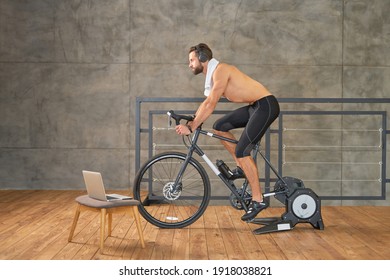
<point x="198" y="55"/>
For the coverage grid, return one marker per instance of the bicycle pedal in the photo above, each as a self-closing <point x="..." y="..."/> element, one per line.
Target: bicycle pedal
<point x="237" y="173"/>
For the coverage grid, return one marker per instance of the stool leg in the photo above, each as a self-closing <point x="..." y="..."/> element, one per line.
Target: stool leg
<point x="109" y="223"/>
<point x="103" y="214"/>
<point x="75" y="219"/>
<point x="138" y="224"/>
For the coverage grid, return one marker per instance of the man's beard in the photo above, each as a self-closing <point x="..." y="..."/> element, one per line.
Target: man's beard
<point x="197" y="70"/>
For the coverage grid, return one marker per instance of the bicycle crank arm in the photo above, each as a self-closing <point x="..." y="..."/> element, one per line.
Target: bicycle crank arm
<point x="274" y="193"/>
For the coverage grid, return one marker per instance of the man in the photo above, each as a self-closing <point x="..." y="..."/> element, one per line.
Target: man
<point x="227" y="81"/>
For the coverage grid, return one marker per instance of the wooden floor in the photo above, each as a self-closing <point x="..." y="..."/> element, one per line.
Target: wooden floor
<point x="35" y="225"/>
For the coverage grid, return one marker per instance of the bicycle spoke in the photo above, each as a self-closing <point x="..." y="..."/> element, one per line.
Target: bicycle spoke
<point x="178" y="205"/>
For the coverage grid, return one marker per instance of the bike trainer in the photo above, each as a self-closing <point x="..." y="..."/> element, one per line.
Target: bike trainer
<point x="302" y="205"/>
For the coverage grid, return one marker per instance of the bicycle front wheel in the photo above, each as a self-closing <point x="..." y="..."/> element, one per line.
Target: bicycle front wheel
<point x="165" y="204"/>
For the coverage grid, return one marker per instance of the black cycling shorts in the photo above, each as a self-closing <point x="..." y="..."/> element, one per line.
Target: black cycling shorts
<point x="256" y="118"/>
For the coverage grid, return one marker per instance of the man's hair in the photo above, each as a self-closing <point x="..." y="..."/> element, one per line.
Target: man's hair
<point x="202" y="48"/>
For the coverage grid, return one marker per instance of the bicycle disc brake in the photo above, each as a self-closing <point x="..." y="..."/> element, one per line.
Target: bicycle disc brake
<point x="170" y="192"/>
<point x="236" y="203"/>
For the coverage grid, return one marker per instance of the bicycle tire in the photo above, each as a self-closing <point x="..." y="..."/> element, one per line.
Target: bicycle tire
<point x="162" y="208"/>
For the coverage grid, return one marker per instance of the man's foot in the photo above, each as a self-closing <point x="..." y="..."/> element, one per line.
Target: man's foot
<point x="254" y="209"/>
<point x="237" y="173"/>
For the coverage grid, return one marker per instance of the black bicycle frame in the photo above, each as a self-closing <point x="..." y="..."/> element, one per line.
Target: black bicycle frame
<point x="195" y="148"/>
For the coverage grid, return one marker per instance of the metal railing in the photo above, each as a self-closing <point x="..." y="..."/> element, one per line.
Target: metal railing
<point x="380" y="148"/>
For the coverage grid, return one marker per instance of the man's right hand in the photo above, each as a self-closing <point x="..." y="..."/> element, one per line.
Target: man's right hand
<point x="182" y="129"/>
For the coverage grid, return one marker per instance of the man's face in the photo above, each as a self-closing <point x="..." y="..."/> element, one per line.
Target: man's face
<point x="194" y="63"/>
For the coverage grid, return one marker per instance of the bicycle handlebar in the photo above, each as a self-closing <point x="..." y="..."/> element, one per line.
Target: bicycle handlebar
<point x="178" y="117"/>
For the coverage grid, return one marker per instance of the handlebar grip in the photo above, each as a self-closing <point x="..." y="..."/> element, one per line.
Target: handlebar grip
<point x="178" y="118"/>
<point x="172" y="115"/>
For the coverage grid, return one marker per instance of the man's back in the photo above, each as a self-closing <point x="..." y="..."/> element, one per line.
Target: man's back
<point x="239" y="87"/>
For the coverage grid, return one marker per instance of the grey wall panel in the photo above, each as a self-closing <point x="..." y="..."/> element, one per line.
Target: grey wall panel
<point x="70" y="73"/>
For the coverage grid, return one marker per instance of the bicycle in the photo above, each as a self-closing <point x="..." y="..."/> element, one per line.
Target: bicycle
<point x="174" y="188"/>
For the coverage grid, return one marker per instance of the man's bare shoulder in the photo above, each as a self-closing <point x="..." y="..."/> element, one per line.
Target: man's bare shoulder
<point x="225" y="69"/>
<point x="224" y="66"/>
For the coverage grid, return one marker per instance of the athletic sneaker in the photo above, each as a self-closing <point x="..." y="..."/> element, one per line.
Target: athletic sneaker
<point x="254" y="209"/>
<point x="237" y="173"/>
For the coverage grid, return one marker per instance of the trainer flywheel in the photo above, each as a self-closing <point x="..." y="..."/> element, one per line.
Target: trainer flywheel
<point x="304" y="206"/>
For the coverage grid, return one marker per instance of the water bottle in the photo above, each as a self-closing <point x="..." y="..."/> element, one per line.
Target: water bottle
<point x="224" y="169"/>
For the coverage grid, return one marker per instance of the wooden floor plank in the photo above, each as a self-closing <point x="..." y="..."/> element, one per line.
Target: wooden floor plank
<point x="234" y="248"/>
<point x="34" y="234"/>
<point x="368" y="232"/>
<point x="215" y="246"/>
<point x="163" y="245"/>
<point x="150" y="238"/>
<point x="266" y="242"/>
<point x="198" y="244"/>
<point x="122" y="231"/>
<point x="251" y="247"/>
<point x="35" y="225"/>
<point x="181" y="244"/>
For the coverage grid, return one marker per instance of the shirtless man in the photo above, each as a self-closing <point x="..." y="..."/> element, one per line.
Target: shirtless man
<point x="255" y="118"/>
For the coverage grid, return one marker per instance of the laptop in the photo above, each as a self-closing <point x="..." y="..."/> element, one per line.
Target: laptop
<point x="95" y="187"/>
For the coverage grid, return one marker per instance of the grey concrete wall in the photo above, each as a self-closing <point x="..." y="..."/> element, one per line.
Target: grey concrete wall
<point x="70" y="72"/>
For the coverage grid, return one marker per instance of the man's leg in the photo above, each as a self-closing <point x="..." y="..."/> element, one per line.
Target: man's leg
<point x="252" y="174"/>
<point x="231" y="147"/>
<point x="247" y="164"/>
<point x="235" y="119"/>
<point x="249" y="167"/>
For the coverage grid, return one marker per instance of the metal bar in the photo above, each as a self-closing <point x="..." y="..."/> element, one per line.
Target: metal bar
<point x="137" y="133"/>
<point x="267" y="174"/>
<point x="280" y="100"/>
<point x="384" y="149"/>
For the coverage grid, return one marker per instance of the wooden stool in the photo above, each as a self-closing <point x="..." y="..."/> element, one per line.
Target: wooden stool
<point x="85" y="203"/>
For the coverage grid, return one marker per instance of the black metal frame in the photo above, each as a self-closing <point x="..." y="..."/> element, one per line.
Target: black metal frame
<point x="267" y="178"/>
